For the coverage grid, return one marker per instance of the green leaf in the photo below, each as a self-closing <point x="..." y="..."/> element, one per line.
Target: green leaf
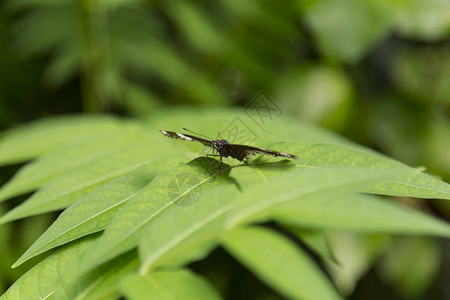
<point x="356" y="254"/>
<point x="317" y="241"/>
<point x="357" y="212"/>
<point x="279" y="263"/>
<point x="100" y="283"/>
<point x="26" y="142"/>
<point x="68" y="158"/>
<point x="413" y="184"/>
<point x="260" y="200"/>
<point x="67" y="188"/>
<point x="196" y="230"/>
<point x="163" y="194"/>
<point x="180" y="215"/>
<point x="192" y="233"/>
<point x="92" y="213"/>
<point x="39" y="282"/>
<point x="168" y="285"/>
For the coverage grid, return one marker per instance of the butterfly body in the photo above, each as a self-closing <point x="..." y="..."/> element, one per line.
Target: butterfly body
<point x="225" y="149"/>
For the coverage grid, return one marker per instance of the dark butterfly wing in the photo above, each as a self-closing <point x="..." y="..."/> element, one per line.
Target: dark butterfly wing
<point x="241" y="152"/>
<point x="186" y="137"/>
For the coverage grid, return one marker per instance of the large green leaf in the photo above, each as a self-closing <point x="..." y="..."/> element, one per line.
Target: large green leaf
<point x="413" y="184"/>
<point x="168" y="285"/>
<point x="260" y="200"/>
<point x="100" y="283"/>
<point x="39" y="282"/>
<point x="194" y="231"/>
<point x="53" y="277"/>
<point x="92" y="213"/>
<point x="26" y="142"/>
<point x="67" y="188"/>
<point x="180" y="215"/>
<point x="68" y="158"/>
<point x="164" y="193"/>
<point x="280" y="263"/>
<point x="357" y="212"/>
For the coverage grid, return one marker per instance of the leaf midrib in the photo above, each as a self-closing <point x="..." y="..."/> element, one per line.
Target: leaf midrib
<point x="156" y="213"/>
<point x="100" y="279"/>
<point x="254" y="209"/>
<point x="36" y="251"/>
<point x="97" y="180"/>
<point x="179" y="238"/>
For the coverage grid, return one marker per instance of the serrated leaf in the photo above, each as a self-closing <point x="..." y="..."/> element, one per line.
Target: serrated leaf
<point x="279" y="263"/>
<point x="169" y="234"/>
<point x="326" y="156"/>
<point x="260" y="200"/>
<point x="26" y="142"/>
<point x="357" y="212"/>
<point x="39" y="282"/>
<point x="92" y="213"/>
<point x="168" y="285"/>
<point x="130" y="222"/>
<point x="67" y="188"/>
<point x="65" y="159"/>
<point x="193" y="233"/>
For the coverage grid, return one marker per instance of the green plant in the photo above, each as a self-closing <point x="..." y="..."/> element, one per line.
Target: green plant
<point x="113" y="176"/>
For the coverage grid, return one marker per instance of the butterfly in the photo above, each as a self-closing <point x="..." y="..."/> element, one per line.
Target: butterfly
<point x="222" y="148"/>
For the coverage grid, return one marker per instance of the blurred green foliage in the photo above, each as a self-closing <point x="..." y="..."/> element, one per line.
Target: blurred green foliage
<point x="374" y="70"/>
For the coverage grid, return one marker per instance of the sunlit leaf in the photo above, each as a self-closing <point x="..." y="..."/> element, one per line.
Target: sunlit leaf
<point x="62" y="160"/>
<point x="138" y="190"/>
<point x="100" y="283"/>
<point x="91" y="214"/>
<point x="413" y="184"/>
<point x="280" y="263"/>
<point x="163" y="194"/>
<point x="168" y="285"/>
<point x="26" y="142"/>
<point x="357" y="212"/>
<point x="39" y="282"/>
<point x="67" y="188"/>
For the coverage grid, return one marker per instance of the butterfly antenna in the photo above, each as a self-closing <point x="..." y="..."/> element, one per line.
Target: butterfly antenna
<point x="197" y="133"/>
